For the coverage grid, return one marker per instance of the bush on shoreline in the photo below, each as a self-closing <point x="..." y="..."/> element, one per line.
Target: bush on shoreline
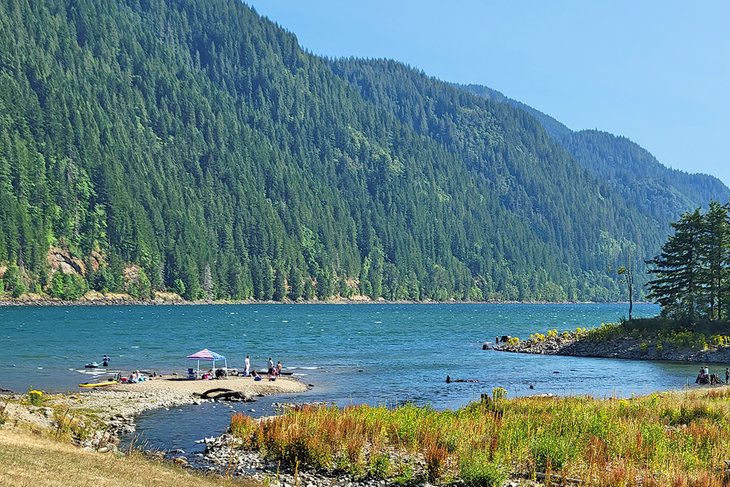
<point x="678" y="438"/>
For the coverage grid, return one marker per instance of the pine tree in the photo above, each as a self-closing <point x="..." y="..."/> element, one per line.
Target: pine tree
<point x="716" y="252"/>
<point x="677" y="287"/>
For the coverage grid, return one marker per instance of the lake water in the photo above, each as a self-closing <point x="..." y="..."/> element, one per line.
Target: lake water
<point x="370" y="353"/>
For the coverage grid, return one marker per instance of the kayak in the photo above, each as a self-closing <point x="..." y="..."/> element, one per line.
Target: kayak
<point x="99" y="384"/>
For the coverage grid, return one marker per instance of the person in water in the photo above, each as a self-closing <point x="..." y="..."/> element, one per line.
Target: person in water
<point x="105" y="361"/>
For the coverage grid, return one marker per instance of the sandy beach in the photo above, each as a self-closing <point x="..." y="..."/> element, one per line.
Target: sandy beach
<point x="246" y="385"/>
<point x="124" y="401"/>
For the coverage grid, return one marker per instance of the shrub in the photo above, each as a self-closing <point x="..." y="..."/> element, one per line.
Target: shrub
<point x="550" y="450"/>
<point x="513" y="341"/>
<point x="71" y="424"/>
<point x="499" y="393"/>
<point x="380" y="466"/>
<point x="245" y="428"/>
<point x="552" y="333"/>
<point x="606" y="332"/>
<point x="35" y="397"/>
<point x="406" y="475"/>
<point x="537" y="337"/>
<point x="477" y="470"/>
<point x="720" y="340"/>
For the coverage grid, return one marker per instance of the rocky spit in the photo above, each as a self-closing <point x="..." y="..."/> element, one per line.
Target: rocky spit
<point x="104" y="415"/>
<point x="621" y="347"/>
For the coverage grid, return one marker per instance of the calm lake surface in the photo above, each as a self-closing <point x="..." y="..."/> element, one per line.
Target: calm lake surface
<point x="370" y="353"/>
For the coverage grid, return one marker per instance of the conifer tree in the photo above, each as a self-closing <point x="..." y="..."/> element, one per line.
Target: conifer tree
<point x="716" y="252"/>
<point x="677" y="269"/>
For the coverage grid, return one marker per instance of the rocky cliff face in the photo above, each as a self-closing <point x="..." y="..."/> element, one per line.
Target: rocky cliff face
<point x="61" y="260"/>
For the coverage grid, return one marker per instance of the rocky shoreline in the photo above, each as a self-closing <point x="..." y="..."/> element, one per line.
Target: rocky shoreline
<point x="98" y="418"/>
<point x="625" y="347"/>
<point x="225" y="457"/>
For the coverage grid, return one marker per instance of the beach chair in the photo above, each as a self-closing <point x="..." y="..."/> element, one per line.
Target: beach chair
<point x="191" y="373"/>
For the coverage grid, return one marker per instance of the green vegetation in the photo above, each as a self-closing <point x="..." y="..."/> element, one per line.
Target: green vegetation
<point x="677" y="439"/>
<point x="35" y="397"/>
<point x="192" y="146"/>
<point x="692" y="281"/>
<point x="607" y="332"/>
<point x="659" y="193"/>
<point x="660" y="333"/>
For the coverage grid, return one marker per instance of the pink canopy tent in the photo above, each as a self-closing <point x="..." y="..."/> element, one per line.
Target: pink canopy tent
<point x="208" y="355"/>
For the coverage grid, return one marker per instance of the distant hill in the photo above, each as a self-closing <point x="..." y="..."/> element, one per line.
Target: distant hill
<point x="625" y="167"/>
<point x="193" y="146"/>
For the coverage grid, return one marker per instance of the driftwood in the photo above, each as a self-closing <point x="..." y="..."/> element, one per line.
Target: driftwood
<point x="449" y="380"/>
<point x="223" y="394"/>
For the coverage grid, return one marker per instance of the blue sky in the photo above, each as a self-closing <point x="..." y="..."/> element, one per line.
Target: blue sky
<point x="657" y="72"/>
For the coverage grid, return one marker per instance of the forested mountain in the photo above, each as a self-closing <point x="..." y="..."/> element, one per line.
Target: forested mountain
<point x="659" y="192"/>
<point x="190" y="145"/>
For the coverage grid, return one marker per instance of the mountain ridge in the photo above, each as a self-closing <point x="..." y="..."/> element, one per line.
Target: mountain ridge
<point x="195" y="147"/>
<point x="641" y="178"/>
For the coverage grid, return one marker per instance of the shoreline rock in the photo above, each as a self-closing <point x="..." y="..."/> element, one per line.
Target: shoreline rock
<point x="625" y="347"/>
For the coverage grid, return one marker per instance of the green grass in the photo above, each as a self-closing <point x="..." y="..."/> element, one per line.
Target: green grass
<point x="674" y="439"/>
<point x="661" y="335"/>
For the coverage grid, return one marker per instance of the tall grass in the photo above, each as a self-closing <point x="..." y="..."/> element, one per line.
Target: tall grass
<point x="663" y="439"/>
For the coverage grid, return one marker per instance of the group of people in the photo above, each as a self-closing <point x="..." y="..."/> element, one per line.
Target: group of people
<point x="274" y="371"/>
<point x="134" y="377"/>
<point x="704" y="377"/>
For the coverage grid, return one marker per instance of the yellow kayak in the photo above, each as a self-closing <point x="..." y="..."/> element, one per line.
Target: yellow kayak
<point x="99" y="384"/>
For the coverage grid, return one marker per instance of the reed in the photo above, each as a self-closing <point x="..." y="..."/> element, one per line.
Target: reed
<point x="667" y="439"/>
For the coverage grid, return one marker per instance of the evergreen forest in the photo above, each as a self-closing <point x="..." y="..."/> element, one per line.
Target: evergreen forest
<point x="193" y="146"/>
<point x="659" y="193"/>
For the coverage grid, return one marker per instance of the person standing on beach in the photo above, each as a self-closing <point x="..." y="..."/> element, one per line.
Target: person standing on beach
<point x="247" y="372"/>
<point x="727" y="375"/>
<point x="271" y="366"/>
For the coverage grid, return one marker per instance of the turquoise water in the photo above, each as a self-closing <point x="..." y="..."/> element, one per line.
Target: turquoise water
<point x="370" y="353"/>
<point x="351" y="353"/>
